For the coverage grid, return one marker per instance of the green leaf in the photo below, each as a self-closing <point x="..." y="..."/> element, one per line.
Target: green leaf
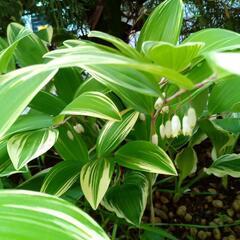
<point x="225" y="95"/>
<point x="70" y="145"/>
<point x="24" y="147"/>
<point x="164" y="24"/>
<point x="95" y="178"/>
<point x="113" y="133"/>
<point x="61" y="177"/>
<point x="145" y="156"/>
<point x="171" y="56"/>
<point x="228" y="164"/>
<point x="215" y="39"/>
<point x="18" y="88"/>
<point x="129" y="199"/>
<point x="186" y="162"/>
<point x="125" y="48"/>
<point x="46" y="34"/>
<point x="93" y="104"/>
<point x="34" y="215"/>
<point x="230" y="124"/>
<point x="31" y="42"/>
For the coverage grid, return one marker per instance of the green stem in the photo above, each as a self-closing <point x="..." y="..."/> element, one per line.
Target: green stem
<point x="114" y="232"/>
<point x="225" y="181"/>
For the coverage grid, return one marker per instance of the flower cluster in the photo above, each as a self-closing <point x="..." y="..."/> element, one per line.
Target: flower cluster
<point x="174" y="128"/>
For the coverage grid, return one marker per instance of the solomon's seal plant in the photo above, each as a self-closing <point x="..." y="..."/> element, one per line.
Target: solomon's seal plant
<point x="114" y="118"/>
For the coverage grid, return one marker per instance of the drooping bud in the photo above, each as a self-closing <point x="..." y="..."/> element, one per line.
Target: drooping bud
<point x="192" y="118"/>
<point x="142" y="117"/>
<point x="79" y="128"/>
<point x="159" y="103"/>
<point x="70" y="135"/>
<point x="176" y="126"/>
<point x="155" y="139"/>
<point x="162" y="131"/>
<point x="168" y="129"/>
<point x="186" y="129"/>
<point x="165" y="109"/>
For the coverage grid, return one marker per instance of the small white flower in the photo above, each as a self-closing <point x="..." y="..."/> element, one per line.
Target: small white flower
<point x="165" y="109"/>
<point x="186" y="129"/>
<point x="70" y="135"/>
<point x="168" y="129"/>
<point x="162" y="131"/>
<point x="79" y="128"/>
<point x="176" y="126"/>
<point x="159" y="103"/>
<point x="142" y="117"/>
<point x="192" y="118"/>
<point x="155" y="139"/>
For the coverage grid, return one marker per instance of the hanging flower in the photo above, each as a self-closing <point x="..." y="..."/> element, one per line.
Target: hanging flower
<point x="176" y="126"/>
<point x="142" y="117"/>
<point x="168" y="129"/>
<point x="165" y="109"/>
<point x="186" y="129"/>
<point x="79" y="128"/>
<point x="159" y="103"/>
<point x="155" y="139"/>
<point x="192" y="118"/>
<point x="162" y="131"/>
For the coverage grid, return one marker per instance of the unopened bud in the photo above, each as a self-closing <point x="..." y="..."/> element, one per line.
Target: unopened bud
<point x="142" y="117"/>
<point x="162" y="131"/>
<point x="155" y="139"/>
<point x="70" y="135"/>
<point x="186" y="129"/>
<point x="159" y="103"/>
<point x="165" y="109"/>
<point x="79" y="128"/>
<point x="176" y="126"/>
<point x="192" y="118"/>
<point x="168" y="129"/>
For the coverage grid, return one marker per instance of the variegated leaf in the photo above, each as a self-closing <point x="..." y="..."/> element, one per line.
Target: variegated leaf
<point x="95" y="178"/>
<point x="113" y="133"/>
<point x="94" y="104"/>
<point x="24" y="147"/>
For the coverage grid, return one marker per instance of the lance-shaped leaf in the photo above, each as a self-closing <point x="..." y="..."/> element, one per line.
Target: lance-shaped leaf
<point x="34" y="215"/>
<point x="17" y="89"/>
<point x="129" y="199"/>
<point x="61" y="177"/>
<point x="24" y="147"/>
<point x="164" y="24"/>
<point x="171" y="56"/>
<point x="228" y="164"/>
<point x="95" y="178"/>
<point x="94" y="104"/>
<point x="145" y="156"/>
<point x="113" y="133"/>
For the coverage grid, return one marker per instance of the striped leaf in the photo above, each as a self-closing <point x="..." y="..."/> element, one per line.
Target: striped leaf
<point x="113" y="133"/>
<point x="18" y="88"/>
<point x="39" y="216"/>
<point x="129" y="199"/>
<point x="61" y="177"/>
<point x="93" y="104"/>
<point x="95" y="178"/>
<point x="164" y="24"/>
<point x="24" y="147"/>
<point x="145" y="156"/>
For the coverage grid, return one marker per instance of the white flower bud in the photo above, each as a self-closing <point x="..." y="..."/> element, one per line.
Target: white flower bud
<point x="142" y="117"/>
<point x="70" y="135"/>
<point x="159" y="103"/>
<point x="186" y="129"/>
<point x="176" y="126"/>
<point x="168" y="129"/>
<point x="165" y="109"/>
<point x="155" y="139"/>
<point x="162" y="131"/>
<point x="79" y="128"/>
<point x="192" y="118"/>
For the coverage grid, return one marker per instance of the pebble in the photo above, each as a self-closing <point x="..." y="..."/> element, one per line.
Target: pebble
<point x="157" y="205"/>
<point x="164" y="208"/>
<point x="203" y="221"/>
<point x="181" y="211"/>
<point x="212" y="190"/>
<point x="209" y="198"/>
<point x="157" y="194"/>
<point x="160" y="213"/>
<point x="188" y="217"/>
<point x="164" y="200"/>
<point x="236" y="205"/>
<point x="193" y="231"/>
<point x="202" y="235"/>
<point x="230" y="212"/>
<point x="238" y="197"/>
<point x="218" y="221"/>
<point x="217" y="234"/>
<point x="171" y="214"/>
<point x="157" y="220"/>
<point x="217" y="203"/>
